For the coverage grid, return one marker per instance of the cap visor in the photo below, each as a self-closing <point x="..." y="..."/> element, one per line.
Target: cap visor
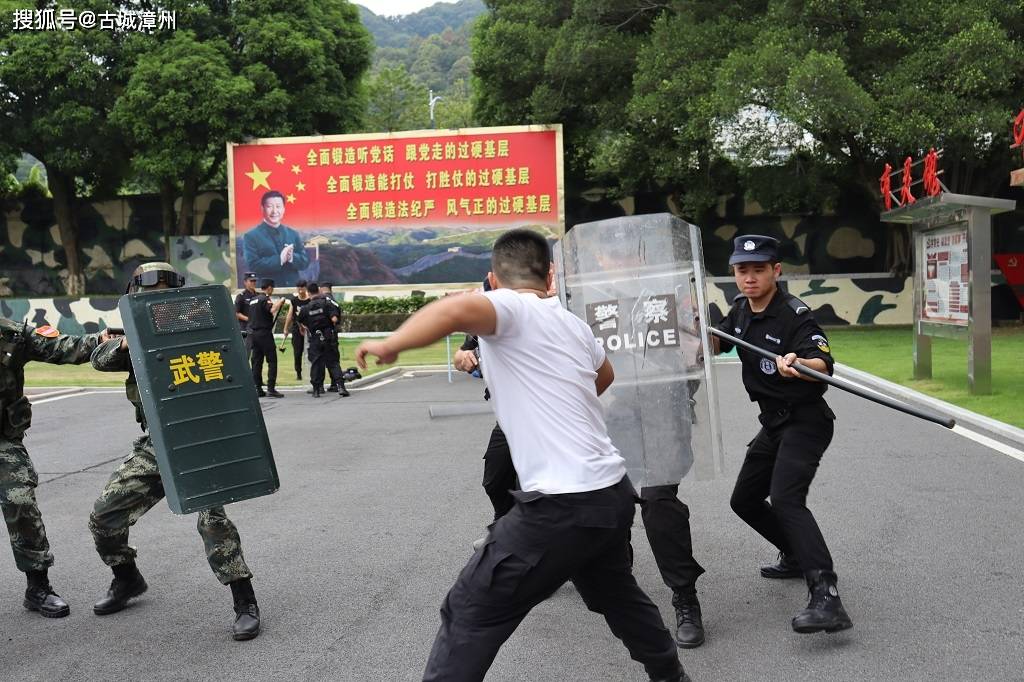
<point x="749" y="258"/>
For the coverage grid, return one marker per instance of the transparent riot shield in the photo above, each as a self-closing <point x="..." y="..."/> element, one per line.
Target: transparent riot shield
<point x="639" y="283"/>
<point x="198" y="395"/>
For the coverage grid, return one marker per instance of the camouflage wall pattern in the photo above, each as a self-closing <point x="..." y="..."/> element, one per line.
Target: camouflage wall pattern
<point x="117" y="235"/>
<point x="114" y="237"/>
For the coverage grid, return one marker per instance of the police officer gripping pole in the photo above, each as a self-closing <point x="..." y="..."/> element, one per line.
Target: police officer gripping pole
<point x="796" y="427"/>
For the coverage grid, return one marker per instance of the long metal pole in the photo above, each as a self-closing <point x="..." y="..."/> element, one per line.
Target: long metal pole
<point x="941" y="420"/>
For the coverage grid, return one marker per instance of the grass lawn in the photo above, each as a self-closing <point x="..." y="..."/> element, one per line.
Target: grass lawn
<point x="42" y="374"/>
<point x="888" y="353"/>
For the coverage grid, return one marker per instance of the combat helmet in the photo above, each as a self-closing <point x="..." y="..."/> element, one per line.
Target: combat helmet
<point x="151" y="274"/>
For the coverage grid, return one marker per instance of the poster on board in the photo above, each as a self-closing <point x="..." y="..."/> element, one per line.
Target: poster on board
<point x="404" y="208"/>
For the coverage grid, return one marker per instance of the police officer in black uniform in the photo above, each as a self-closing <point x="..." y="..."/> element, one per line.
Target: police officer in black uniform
<point x="262" y="315"/>
<point x="327" y="290"/>
<point x="296" y="302"/>
<point x="796" y="427"/>
<point x="242" y="301"/>
<point x="320" y="318"/>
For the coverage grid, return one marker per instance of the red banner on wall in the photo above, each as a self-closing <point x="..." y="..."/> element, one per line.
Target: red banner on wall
<point x="401" y="208"/>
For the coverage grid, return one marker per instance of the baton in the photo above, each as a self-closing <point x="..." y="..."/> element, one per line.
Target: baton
<point x="939" y="419"/>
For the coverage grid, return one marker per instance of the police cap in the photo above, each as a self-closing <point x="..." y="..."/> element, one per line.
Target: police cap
<point x="250" y="275"/>
<point x="754" y="248"/>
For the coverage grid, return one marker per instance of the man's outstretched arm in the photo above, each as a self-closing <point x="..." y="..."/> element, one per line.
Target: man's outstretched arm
<point x="470" y="313"/>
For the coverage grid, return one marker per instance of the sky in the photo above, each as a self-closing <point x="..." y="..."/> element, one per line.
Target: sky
<point x="390" y="8"/>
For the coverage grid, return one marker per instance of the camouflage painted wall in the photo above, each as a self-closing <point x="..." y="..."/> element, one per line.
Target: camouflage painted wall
<point x="114" y="237"/>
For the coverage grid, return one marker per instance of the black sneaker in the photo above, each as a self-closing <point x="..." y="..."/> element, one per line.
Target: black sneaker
<point x="261" y="393"/>
<point x="787" y="567"/>
<point x="274" y="393"/>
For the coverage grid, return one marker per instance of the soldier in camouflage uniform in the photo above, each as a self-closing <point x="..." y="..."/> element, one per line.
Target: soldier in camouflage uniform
<point x="20" y="344"/>
<point x="135" y="487"/>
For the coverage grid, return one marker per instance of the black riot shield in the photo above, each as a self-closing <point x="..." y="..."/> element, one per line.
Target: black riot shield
<point x="198" y="395"/>
<point x="639" y="283"/>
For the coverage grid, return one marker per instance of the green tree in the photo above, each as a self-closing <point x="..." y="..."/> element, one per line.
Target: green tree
<point x="239" y="70"/>
<point x="56" y="92"/>
<point x="181" y="105"/>
<point x="395" y="102"/>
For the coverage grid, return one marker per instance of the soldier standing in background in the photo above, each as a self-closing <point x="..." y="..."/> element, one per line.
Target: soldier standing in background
<point x="296" y="302"/>
<point x="242" y="301"/>
<point x="262" y="315"/>
<point x="20" y="344"/>
<point x="135" y="487"/>
<point x="320" y="318"/>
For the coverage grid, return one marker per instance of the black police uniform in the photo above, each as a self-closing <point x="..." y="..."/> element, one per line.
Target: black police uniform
<point x="242" y="301"/>
<point x="500" y="477"/>
<point x="796" y="427"/>
<point x="261" y="338"/>
<point x="323" y="341"/>
<point x="298" y="340"/>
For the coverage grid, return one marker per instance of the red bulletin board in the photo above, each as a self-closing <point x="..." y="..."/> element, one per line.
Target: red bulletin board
<point x="412" y="207"/>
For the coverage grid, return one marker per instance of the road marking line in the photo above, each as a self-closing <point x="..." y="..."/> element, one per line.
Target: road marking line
<point x="962" y="431"/>
<point x="73" y="395"/>
<point x="989" y="442"/>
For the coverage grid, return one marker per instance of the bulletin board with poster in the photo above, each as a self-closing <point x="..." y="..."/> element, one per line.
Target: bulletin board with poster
<point x="392" y="210"/>
<point x="947" y="276"/>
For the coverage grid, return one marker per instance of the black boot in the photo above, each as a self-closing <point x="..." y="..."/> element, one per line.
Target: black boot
<point x="342" y="391"/>
<point x="274" y="393"/>
<point x="787" y="567"/>
<point x="677" y="675"/>
<point x="247" y="612"/>
<point x="689" y="625"/>
<point x="825" y="609"/>
<point x="260" y="392"/>
<point x="333" y="388"/>
<point x="39" y="596"/>
<point x="127" y="583"/>
<point x="318" y="391"/>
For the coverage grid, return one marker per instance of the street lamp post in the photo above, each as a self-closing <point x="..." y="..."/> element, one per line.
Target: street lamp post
<point x="433" y="100"/>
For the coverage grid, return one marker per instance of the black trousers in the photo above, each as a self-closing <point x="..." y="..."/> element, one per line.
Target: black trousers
<point x="263" y="348"/>
<point x="667" y="522"/>
<point x="323" y="354"/>
<point x="541" y="543"/>
<point x="499" y="474"/>
<point x="781" y="462"/>
<point x="298" y="344"/>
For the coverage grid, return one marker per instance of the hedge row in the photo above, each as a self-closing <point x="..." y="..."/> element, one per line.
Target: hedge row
<point x="385" y="306"/>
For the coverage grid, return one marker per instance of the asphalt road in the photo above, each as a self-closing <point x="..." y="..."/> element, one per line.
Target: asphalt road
<point x="377" y="509"/>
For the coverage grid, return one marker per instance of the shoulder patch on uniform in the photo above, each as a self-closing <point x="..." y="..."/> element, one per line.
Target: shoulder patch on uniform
<point x="798" y="306"/>
<point x="47" y="331"/>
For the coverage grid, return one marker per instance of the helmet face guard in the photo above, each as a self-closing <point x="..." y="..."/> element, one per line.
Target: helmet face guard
<point x="152" y="277"/>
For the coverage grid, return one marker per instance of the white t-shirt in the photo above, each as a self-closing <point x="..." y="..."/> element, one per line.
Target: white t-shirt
<point x="540" y="366"/>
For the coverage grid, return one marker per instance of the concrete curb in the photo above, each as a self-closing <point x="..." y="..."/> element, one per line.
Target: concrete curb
<point x="962" y="416"/>
<point x="54" y="392"/>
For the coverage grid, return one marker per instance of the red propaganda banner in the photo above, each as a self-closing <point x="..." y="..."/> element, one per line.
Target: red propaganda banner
<point x="413" y="207"/>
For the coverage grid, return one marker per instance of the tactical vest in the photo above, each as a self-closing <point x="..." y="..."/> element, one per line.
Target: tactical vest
<point x="319" y="315"/>
<point x="15" y="409"/>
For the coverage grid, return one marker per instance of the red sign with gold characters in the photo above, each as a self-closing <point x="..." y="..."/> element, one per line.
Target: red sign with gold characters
<point x="413" y="207"/>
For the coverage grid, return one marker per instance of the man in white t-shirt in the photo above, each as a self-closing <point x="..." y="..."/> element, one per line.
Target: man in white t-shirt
<point x="571" y="519"/>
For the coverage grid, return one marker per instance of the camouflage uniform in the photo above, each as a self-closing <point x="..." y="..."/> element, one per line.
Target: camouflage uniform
<point x="135" y="487"/>
<point x="20" y="344"/>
